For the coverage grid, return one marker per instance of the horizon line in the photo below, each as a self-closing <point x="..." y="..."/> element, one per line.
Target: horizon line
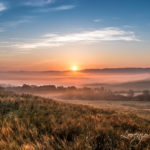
<point x="86" y="69"/>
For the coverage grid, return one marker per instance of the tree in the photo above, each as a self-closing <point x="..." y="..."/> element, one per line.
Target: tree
<point x="130" y="93"/>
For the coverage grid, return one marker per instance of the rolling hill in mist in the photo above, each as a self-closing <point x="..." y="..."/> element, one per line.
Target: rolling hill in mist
<point x="136" y="85"/>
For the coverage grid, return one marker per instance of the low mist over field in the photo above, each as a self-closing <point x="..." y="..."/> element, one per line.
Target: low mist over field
<point x="79" y="78"/>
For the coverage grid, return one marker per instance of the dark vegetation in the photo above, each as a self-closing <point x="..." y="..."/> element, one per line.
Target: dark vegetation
<point x="85" y="93"/>
<point x="34" y="123"/>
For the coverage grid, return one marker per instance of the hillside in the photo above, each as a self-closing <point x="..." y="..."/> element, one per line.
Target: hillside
<point x="136" y="85"/>
<point x="30" y="123"/>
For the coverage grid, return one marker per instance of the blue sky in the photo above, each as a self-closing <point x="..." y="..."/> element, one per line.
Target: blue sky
<point x="41" y="34"/>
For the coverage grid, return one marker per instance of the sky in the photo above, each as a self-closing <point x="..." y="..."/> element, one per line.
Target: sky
<point x="59" y="34"/>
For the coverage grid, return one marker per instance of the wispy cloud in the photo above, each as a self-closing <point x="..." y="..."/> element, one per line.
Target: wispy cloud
<point x="97" y="20"/>
<point x="106" y="34"/>
<point x="129" y="26"/>
<point x="38" y="2"/>
<point x="58" y="8"/>
<point x="2" y="7"/>
<point x="63" y="7"/>
<point x="18" y="22"/>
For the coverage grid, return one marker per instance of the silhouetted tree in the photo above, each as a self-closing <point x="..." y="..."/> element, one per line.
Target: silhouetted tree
<point x="130" y="94"/>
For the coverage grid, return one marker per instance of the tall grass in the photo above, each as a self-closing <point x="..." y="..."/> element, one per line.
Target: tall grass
<point x="34" y="123"/>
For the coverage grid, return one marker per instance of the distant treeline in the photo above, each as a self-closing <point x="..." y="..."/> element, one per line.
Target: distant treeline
<point x="84" y="93"/>
<point x="43" y="88"/>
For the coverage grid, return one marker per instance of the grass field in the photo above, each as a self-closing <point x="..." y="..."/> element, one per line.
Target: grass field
<point x="34" y="123"/>
<point x="140" y="108"/>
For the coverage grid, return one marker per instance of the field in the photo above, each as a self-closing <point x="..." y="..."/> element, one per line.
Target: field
<point x="140" y="108"/>
<point x="34" y="123"/>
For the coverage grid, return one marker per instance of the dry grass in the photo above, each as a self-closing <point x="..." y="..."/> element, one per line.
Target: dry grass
<point x="34" y="123"/>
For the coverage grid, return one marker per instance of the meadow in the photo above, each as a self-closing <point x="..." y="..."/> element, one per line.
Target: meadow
<point x="34" y="123"/>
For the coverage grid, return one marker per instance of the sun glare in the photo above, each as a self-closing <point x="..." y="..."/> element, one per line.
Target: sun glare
<point x="74" y="68"/>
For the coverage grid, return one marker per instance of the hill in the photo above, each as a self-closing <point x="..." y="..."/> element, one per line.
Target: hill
<point x="29" y="122"/>
<point x="135" y="85"/>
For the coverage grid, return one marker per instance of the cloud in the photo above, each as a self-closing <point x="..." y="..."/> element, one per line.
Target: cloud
<point x="106" y="34"/>
<point x="16" y="23"/>
<point x="97" y="20"/>
<point x="63" y="7"/>
<point x="129" y="26"/>
<point x="38" y="2"/>
<point x="58" y="8"/>
<point x="2" y="7"/>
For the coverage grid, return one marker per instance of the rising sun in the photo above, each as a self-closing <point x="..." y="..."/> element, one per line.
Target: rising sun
<point x="74" y="68"/>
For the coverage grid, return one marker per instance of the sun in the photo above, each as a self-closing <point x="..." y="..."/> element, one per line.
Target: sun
<point x="74" y="68"/>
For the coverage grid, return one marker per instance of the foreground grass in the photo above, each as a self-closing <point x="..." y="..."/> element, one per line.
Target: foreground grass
<point x="33" y="123"/>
